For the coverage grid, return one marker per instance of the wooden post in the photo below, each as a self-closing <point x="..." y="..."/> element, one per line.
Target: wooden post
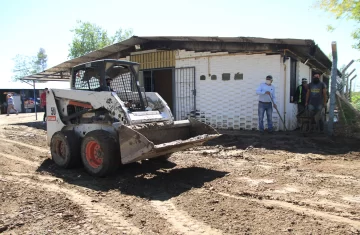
<point x="333" y="89"/>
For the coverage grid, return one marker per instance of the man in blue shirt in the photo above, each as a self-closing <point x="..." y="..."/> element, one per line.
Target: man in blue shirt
<point x="264" y="91"/>
<point x="11" y="104"/>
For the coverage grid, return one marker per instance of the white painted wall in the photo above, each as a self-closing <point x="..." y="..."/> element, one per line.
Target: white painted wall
<point x="233" y="104"/>
<point x="304" y="71"/>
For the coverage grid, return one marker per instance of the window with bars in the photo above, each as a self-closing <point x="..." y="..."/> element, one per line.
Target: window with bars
<point x="123" y="82"/>
<point x="87" y="79"/>
<point x="111" y="76"/>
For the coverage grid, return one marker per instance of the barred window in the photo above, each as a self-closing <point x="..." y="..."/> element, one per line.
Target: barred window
<point x="87" y="79"/>
<point x="124" y="84"/>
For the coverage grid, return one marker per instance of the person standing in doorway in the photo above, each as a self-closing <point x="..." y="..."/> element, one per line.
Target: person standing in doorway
<point x="43" y="102"/>
<point x="10" y="104"/>
<point x="265" y="90"/>
<point x="300" y="95"/>
<point x="316" y="97"/>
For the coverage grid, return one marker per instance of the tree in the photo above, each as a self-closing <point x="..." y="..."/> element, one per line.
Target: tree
<point x="89" y="37"/>
<point x="345" y="9"/>
<point x="41" y="60"/>
<point x="26" y="65"/>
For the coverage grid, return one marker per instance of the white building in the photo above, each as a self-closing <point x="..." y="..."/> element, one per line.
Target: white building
<point x="215" y="78"/>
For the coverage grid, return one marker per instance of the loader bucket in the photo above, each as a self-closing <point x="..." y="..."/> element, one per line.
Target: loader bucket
<point x="153" y="140"/>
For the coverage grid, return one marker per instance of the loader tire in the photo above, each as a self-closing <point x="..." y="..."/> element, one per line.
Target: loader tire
<point x="65" y="149"/>
<point x="100" y="153"/>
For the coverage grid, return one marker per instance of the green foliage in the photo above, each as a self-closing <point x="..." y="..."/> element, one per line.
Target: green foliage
<point x="27" y="65"/>
<point x="355" y="100"/>
<point x="41" y="60"/>
<point x="343" y="9"/>
<point x="90" y="37"/>
<point x="330" y="28"/>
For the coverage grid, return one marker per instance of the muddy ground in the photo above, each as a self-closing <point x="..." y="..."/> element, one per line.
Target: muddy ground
<point x="241" y="183"/>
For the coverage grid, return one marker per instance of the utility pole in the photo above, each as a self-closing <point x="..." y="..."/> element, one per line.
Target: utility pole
<point x="343" y="75"/>
<point x="333" y="87"/>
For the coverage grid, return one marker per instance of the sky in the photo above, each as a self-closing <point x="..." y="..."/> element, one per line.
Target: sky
<point x="27" y="25"/>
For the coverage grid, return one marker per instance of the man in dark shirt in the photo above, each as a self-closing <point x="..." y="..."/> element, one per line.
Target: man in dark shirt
<point x="316" y="97"/>
<point x="300" y="95"/>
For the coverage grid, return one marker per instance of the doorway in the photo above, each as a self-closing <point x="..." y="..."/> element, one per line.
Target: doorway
<point x="175" y="85"/>
<point x="160" y="81"/>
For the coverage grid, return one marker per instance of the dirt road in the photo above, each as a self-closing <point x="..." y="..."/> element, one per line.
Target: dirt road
<point x="241" y="183"/>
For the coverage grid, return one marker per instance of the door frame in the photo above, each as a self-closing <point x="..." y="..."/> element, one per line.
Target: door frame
<point x="174" y="95"/>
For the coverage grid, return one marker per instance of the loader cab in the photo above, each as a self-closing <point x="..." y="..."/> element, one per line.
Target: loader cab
<point x="112" y="76"/>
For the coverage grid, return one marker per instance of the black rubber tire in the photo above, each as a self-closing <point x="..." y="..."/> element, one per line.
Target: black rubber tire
<point x="110" y="151"/>
<point x="69" y="155"/>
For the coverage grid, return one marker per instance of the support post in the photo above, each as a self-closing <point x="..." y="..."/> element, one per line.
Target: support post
<point x="347" y="82"/>
<point x="333" y="89"/>
<point x="343" y="76"/>
<point x="350" y="91"/>
<point x="35" y="100"/>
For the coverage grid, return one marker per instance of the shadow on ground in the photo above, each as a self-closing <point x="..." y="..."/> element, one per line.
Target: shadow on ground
<point x="37" y="125"/>
<point x="146" y="179"/>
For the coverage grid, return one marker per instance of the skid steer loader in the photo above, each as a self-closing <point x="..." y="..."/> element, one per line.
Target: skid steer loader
<point x="106" y="119"/>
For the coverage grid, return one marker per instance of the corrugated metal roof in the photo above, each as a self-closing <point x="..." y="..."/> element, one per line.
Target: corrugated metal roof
<point x="124" y="48"/>
<point x="8" y="85"/>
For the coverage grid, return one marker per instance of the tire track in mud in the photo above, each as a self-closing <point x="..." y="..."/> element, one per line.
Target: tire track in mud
<point x="19" y="159"/>
<point x="299" y="209"/>
<point x="112" y="218"/>
<point x="39" y="149"/>
<point x="180" y="220"/>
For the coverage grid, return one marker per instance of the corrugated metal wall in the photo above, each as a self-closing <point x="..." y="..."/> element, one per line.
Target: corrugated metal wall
<point x="159" y="59"/>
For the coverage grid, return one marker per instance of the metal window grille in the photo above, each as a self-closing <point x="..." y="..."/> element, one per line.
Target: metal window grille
<point x="83" y="83"/>
<point x="185" y="92"/>
<point x="125" y="87"/>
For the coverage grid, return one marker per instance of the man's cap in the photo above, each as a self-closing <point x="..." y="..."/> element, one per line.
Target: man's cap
<point x="269" y="77"/>
<point x="304" y="80"/>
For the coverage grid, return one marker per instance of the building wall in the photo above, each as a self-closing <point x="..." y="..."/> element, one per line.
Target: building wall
<point x="304" y="71"/>
<point x="233" y="104"/>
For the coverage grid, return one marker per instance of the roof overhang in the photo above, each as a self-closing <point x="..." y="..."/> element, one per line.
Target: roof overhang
<point x="304" y="50"/>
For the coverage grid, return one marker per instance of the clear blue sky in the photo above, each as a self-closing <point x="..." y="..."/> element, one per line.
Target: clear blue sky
<point x="27" y="25"/>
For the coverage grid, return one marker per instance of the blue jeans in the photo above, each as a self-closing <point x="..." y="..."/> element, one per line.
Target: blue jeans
<point x="261" y="111"/>
<point x="315" y="108"/>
